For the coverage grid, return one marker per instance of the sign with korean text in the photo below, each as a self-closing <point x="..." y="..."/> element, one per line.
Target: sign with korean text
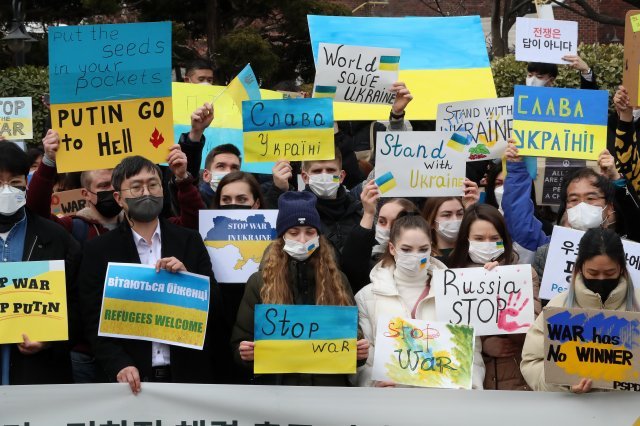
<point x="423" y="353"/>
<point x="560" y="123"/>
<point x="305" y="339"/>
<point x="486" y="123"/>
<point x="33" y="301"/>
<point x="356" y="73"/>
<point x="16" y="121"/>
<point x="421" y="164"/>
<point x="110" y="93"/>
<point x="499" y="301"/>
<point x="600" y="345"/>
<point x="140" y="303"/>
<point x="65" y="203"/>
<point x="545" y="40"/>
<point x="292" y="129"/>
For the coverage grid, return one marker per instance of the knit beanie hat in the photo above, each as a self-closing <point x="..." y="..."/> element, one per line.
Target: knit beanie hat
<point x="297" y="209"/>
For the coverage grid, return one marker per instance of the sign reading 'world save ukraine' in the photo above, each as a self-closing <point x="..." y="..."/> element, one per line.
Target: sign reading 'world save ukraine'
<point x="305" y="339"/>
<point x="561" y="123"/>
<point x="110" y="93"/>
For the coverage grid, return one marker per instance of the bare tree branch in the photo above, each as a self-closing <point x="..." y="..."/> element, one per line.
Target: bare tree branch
<point x="584" y="9"/>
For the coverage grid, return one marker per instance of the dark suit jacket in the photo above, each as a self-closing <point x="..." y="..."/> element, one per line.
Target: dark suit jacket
<point x="187" y="365"/>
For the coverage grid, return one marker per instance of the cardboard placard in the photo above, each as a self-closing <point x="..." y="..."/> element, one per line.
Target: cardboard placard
<point x="631" y="67"/>
<point x="16" y="118"/>
<point x="65" y="203"/>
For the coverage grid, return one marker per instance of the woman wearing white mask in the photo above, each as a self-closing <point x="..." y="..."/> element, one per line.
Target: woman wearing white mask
<point x="483" y="240"/>
<point x="299" y="268"/>
<point x="400" y="285"/>
<point x="444" y="216"/>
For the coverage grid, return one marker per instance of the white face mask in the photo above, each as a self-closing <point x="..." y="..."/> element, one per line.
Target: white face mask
<point x="482" y="252"/>
<point x="636" y="113"/>
<point x="324" y="185"/>
<point x="11" y="200"/>
<point x="498" y="191"/>
<point x="412" y="264"/>
<point x="301" y="251"/>
<point x="536" y="82"/>
<point x="215" y="180"/>
<point x="449" y="229"/>
<point x="382" y="237"/>
<point x="585" y="216"/>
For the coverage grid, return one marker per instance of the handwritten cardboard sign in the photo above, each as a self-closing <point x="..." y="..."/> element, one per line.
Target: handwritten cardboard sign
<point x="423" y="353"/>
<point x="486" y="123"/>
<point x="499" y="301"/>
<point x="356" y="73"/>
<point x="421" y="164"/>
<point x="292" y="129"/>
<point x="545" y="40"/>
<point x="600" y="345"/>
<point x="33" y="301"/>
<point x="110" y="93"/>
<point x="560" y="123"/>
<point x="305" y="339"/>
<point x="631" y="69"/>
<point x="236" y="240"/>
<point x="561" y="258"/>
<point x="140" y="303"/>
<point x="64" y="203"/>
<point x="16" y="120"/>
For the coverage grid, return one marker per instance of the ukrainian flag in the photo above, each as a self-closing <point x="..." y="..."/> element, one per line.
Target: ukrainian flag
<point x="443" y="59"/>
<point x="324" y="91"/>
<point x="499" y="244"/>
<point x="423" y="263"/>
<point x="386" y="182"/>
<point x="389" y="63"/>
<point x="458" y="142"/>
<point x="244" y="87"/>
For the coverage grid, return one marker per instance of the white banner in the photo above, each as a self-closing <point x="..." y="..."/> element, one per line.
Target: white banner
<point x="544" y="40"/>
<point x="217" y="405"/>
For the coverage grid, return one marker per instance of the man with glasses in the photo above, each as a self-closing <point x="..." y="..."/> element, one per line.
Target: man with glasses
<point x="27" y="237"/>
<point x="146" y="238"/>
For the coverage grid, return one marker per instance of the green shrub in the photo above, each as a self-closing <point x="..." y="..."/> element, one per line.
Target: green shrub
<point x="28" y="81"/>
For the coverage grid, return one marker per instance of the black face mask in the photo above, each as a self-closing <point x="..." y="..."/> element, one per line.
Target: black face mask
<point x="145" y="208"/>
<point x="107" y="205"/>
<point x="235" y="207"/>
<point x="601" y="287"/>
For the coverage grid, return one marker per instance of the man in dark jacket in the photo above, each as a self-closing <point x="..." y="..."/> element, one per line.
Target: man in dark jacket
<point x="27" y="237"/>
<point x="145" y="238"/>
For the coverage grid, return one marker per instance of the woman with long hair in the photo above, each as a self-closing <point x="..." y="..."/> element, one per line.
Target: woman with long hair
<point x="299" y="268"/>
<point x="444" y="216"/>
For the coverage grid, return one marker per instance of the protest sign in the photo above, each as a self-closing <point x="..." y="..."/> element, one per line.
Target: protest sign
<point x="356" y="73"/>
<point x="422" y="164"/>
<point x="631" y="69"/>
<point x="292" y="129"/>
<point x="110" y="93"/>
<point x="545" y="40"/>
<point x="499" y="301"/>
<point x="16" y="118"/>
<point x="555" y="170"/>
<point x="140" y="303"/>
<point x="423" y="353"/>
<point x="64" y="203"/>
<point x="600" y="345"/>
<point x="236" y="240"/>
<point x="560" y="123"/>
<point x="225" y="128"/>
<point x="33" y="301"/>
<point x="486" y="123"/>
<point x="561" y="257"/>
<point x="443" y="59"/>
<point x="305" y="339"/>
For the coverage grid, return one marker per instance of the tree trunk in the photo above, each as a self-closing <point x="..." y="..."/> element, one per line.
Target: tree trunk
<point x="497" y="46"/>
<point x="213" y="25"/>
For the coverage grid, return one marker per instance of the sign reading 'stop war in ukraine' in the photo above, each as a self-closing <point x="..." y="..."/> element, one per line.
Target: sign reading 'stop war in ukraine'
<point x="561" y="123"/>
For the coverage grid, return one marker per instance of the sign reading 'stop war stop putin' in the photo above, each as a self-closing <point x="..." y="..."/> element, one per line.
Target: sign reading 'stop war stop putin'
<point x="110" y="93"/>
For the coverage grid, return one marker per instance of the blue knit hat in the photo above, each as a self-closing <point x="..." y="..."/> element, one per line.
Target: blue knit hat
<point x="297" y="209"/>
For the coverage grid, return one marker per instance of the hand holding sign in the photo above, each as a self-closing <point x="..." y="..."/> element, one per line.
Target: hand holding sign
<point x="51" y="144"/>
<point x="607" y="165"/>
<point x="403" y="97"/>
<point x="200" y="120"/>
<point x="622" y="102"/>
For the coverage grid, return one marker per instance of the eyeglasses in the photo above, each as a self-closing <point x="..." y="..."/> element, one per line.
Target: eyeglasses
<point x="137" y="189"/>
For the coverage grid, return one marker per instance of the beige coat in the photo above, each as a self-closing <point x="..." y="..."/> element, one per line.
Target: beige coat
<point x="532" y="365"/>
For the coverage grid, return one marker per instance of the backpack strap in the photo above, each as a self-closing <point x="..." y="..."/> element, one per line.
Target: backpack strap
<point x="79" y="229"/>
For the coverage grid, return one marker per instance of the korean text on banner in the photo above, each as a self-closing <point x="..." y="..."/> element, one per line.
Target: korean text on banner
<point x="443" y="59"/>
<point x="422" y="164"/>
<point x="486" y="123"/>
<point x="110" y="93"/>
<point x="600" y="345"/>
<point x="305" y="339"/>
<point x="499" y="301"/>
<point x="544" y="40"/>
<point x="236" y="240"/>
<point x="356" y="73"/>
<point x="16" y="118"/>
<point x="165" y="307"/>
<point x="423" y="353"/>
<point x="292" y="129"/>
<point x="560" y="123"/>
<point x="33" y="301"/>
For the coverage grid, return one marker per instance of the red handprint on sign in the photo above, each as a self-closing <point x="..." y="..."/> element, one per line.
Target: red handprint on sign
<point x="511" y="310"/>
